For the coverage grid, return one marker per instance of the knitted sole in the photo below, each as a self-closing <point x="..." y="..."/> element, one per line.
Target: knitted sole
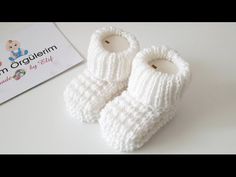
<point x="127" y="124"/>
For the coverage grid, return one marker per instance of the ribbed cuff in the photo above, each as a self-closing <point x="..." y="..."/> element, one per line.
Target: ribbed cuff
<point x="111" y="66"/>
<point x="152" y="87"/>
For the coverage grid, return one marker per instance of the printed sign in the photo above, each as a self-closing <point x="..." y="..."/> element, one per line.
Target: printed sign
<point x="32" y="56"/>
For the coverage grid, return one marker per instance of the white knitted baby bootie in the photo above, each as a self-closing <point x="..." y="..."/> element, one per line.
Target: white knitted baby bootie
<point x="156" y="83"/>
<point x="110" y="56"/>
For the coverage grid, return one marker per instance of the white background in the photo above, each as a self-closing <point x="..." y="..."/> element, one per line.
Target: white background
<point x="37" y="122"/>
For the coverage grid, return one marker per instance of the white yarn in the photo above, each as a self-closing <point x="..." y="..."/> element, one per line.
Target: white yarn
<point x="106" y="76"/>
<point x="132" y="118"/>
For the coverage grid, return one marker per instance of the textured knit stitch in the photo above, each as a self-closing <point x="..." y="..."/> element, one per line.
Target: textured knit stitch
<point x="150" y="101"/>
<point x="105" y="77"/>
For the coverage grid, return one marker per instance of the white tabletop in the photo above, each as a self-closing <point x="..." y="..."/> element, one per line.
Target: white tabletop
<point x="37" y="122"/>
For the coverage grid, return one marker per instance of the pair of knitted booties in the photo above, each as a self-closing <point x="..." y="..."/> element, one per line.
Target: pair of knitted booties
<point x="131" y="93"/>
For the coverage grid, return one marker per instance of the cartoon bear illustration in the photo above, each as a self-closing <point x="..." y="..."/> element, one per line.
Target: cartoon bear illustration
<point x="14" y="47"/>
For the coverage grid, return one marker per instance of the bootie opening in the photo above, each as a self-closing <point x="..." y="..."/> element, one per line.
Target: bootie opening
<point x="164" y="66"/>
<point x="115" y="43"/>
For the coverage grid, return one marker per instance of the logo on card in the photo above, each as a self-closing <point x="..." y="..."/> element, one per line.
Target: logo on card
<point x="14" y="47"/>
<point x="19" y="73"/>
<point x="16" y="51"/>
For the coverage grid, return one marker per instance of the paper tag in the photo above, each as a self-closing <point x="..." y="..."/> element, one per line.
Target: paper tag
<point x="31" y="56"/>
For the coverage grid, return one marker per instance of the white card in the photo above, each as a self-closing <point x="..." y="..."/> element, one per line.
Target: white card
<point x="31" y="56"/>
